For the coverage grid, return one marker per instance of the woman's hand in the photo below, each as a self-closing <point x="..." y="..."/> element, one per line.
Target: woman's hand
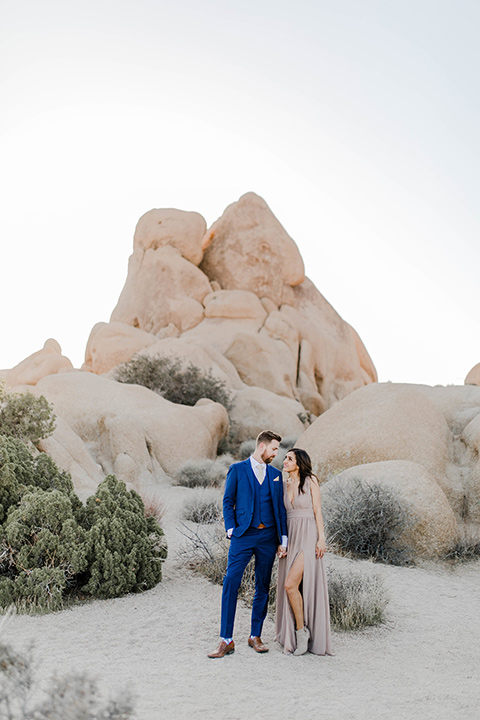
<point x="320" y="548"/>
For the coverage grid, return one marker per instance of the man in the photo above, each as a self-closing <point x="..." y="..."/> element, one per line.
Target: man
<point x="256" y="523"/>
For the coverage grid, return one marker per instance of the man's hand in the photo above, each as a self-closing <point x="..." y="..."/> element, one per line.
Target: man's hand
<point x="281" y="551"/>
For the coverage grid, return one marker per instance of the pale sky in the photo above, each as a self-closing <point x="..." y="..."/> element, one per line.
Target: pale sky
<point x="356" y="120"/>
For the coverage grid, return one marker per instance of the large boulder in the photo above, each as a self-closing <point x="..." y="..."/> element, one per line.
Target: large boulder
<point x="221" y="332"/>
<point x="132" y="431"/>
<point x="263" y="362"/>
<point x="111" y="344"/>
<point x="47" y="361"/>
<point x="473" y="377"/>
<point x="434" y="528"/>
<point x="234" y="304"/>
<point x="192" y="350"/>
<point x="162" y="287"/>
<point x="337" y="357"/>
<point x="256" y="409"/>
<point x="470" y="497"/>
<point x="183" y="230"/>
<point x="437" y="428"/>
<point x="460" y="406"/>
<point x="379" y="422"/>
<point x="248" y="249"/>
<point x="70" y="453"/>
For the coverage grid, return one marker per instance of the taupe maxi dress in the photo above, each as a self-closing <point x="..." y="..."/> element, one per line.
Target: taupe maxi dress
<point x="302" y="537"/>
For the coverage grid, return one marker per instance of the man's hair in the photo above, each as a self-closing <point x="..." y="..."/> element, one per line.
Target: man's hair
<point x="266" y="437"/>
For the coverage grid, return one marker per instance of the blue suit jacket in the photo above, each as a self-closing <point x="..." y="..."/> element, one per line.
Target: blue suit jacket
<point x="238" y="498"/>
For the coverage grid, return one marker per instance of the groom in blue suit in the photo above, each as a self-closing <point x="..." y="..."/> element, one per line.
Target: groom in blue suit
<point x="256" y="523"/>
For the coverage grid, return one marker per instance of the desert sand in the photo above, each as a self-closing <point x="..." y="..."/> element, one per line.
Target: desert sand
<point x="423" y="663"/>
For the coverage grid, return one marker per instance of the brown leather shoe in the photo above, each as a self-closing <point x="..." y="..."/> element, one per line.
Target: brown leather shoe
<point x="257" y="645"/>
<point x="223" y="649"/>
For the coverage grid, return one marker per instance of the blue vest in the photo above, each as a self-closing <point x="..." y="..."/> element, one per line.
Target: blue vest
<point x="262" y="504"/>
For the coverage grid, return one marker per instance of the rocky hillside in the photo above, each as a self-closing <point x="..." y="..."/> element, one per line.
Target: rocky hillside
<point x="233" y="300"/>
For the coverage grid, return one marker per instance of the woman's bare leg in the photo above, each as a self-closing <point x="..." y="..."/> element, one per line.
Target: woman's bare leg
<point x="292" y="584"/>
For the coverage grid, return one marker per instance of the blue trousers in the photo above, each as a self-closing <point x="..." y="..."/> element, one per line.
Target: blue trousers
<point x="263" y="545"/>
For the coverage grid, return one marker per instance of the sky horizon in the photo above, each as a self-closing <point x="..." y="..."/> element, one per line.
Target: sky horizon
<point x="356" y="122"/>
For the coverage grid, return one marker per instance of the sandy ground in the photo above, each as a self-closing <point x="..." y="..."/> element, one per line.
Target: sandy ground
<point x="424" y="663"/>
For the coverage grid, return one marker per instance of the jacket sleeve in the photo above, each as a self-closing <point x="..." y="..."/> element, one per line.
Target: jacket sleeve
<point x="229" y="498"/>
<point x="283" y="514"/>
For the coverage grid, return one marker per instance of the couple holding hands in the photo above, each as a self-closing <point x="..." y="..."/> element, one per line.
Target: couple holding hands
<point x="265" y="516"/>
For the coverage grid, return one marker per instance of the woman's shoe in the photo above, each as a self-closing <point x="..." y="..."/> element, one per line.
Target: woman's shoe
<point x="303" y="636"/>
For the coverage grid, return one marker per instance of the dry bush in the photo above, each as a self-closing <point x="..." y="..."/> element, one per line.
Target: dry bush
<point x="207" y="554"/>
<point x="467" y="546"/>
<point x="357" y="599"/>
<point x="74" y="696"/>
<point x="154" y="507"/>
<point x="247" y="448"/>
<point x="204" y="473"/>
<point x="204" y="507"/>
<point x="367" y="520"/>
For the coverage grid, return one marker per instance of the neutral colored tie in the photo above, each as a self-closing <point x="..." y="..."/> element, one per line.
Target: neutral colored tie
<point x="260" y="473"/>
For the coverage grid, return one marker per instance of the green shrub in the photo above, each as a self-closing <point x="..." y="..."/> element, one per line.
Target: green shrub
<point x="16" y="470"/>
<point x="48" y="476"/>
<point x="204" y="473"/>
<point x="203" y="508"/>
<point x="42" y="549"/>
<point x="126" y="549"/>
<point x="74" y="696"/>
<point x="357" y="599"/>
<point x="20" y="471"/>
<point x="366" y="520"/>
<point x="171" y="379"/>
<point x="25" y="416"/>
<point x="51" y="545"/>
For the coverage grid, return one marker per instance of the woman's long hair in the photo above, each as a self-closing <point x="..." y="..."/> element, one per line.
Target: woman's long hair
<point x="304" y="467"/>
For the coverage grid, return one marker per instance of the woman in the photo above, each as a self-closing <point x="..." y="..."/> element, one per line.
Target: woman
<point x="303" y="613"/>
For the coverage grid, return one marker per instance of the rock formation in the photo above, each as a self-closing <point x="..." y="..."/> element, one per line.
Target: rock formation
<point x="129" y="430"/>
<point x="434" y="528"/>
<point x="241" y="288"/>
<point x="233" y="300"/>
<point x="473" y="377"/>
<point x="424" y="440"/>
<point x="47" y="361"/>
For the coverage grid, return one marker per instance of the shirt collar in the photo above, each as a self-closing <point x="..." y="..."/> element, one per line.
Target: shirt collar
<point x="255" y="464"/>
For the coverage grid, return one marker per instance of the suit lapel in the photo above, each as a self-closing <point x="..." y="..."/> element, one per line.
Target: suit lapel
<point x="269" y="476"/>
<point x="249" y="473"/>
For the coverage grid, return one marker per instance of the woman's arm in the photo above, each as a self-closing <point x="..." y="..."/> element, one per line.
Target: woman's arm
<point x="320" y="547"/>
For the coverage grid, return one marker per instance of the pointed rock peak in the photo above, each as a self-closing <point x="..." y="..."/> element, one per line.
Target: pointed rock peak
<point x="248" y="248"/>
